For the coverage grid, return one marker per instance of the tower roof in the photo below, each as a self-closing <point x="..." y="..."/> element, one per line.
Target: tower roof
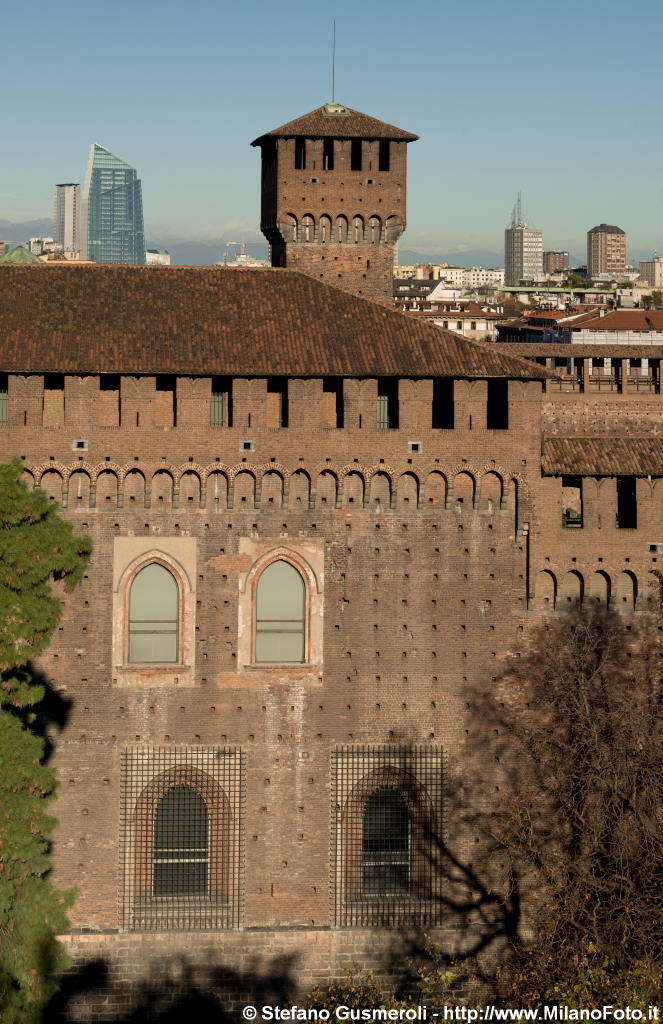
<point x="608" y="229"/>
<point x="339" y="121"/>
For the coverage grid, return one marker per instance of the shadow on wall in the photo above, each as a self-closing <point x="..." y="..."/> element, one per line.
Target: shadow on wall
<point x="174" y="992"/>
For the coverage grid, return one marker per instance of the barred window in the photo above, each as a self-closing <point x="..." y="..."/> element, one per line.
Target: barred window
<point x="280" y="613"/>
<point x="182" y="809"/>
<point x="180" y="850"/>
<point x="387" y="823"/>
<point x="153" y="616"/>
<point x="385" y="852"/>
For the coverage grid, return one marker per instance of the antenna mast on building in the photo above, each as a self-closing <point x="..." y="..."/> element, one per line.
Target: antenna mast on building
<point x="519" y="209"/>
<point x="334" y="62"/>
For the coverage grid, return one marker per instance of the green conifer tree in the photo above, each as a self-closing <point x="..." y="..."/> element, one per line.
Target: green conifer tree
<point x="37" y="547"/>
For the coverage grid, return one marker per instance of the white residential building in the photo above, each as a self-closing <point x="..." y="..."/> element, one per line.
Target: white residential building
<point x="67" y="216"/>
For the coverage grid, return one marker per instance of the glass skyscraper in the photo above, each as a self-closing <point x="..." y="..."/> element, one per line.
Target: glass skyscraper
<point x="112" y="210"/>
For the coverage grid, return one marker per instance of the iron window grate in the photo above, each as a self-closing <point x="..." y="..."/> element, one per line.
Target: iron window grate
<point x="387" y="820"/>
<point x="181" y="852"/>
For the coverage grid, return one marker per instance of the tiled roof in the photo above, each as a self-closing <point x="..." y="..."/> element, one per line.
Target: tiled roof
<point x="603" y="456"/>
<point x="623" y="320"/>
<point x="340" y="122"/>
<point x="202" y="321"/>
<point x="597" y="350"/>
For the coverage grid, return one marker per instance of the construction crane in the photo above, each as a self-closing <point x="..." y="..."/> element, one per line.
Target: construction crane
<point x="243" y="244"/>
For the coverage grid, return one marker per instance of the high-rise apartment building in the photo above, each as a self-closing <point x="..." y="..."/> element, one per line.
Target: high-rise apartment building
<point x="606" y="250"/>
<point x="112" y="210"/>
<point x="523" y="250"/>
<point x="553" y="261"/>
<point x="651" y="271"/>
<point x="67" y="216"/>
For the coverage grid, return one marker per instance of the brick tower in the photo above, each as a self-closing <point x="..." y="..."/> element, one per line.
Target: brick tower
<point x="333" y="197"/>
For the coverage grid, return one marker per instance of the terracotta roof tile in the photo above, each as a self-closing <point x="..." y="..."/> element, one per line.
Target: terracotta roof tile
<point x="603" y="456"/>
<point x="202" y="321"/>
<point x="340" y="122"/>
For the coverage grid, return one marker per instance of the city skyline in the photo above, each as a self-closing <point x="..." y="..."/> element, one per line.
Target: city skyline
<point x="191" y="114"/>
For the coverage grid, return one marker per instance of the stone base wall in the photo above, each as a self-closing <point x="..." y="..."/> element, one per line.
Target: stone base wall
<point x="201" y="976"/>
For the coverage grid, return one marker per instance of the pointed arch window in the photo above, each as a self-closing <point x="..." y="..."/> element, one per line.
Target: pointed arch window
<point x="153" y="616"/>
<point x="280" y="614"/>
<point x="385" y="844"/>
<point x="181" y="844"/>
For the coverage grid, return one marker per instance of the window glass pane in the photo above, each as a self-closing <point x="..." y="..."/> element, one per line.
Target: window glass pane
<point x="181" y="820"/>
<point x="280" y="593"/>
<point x="385" y="861"/>
<point x="280" y="646"/>
<point x="153" y="647"/>
<point x="180" y="879"/>
<point x="181" y="844"/>
<point x="153" y="595"/>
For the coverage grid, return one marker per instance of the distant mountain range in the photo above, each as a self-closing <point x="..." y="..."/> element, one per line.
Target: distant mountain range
<point x="202" y="254"/>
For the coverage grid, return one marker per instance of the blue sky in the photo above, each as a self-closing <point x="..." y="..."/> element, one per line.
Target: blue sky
<point x="561" y="100"/>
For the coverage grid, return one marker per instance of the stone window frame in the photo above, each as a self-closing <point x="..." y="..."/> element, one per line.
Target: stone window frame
<point x="182" y="671"/>
<point x="313" y="610"/>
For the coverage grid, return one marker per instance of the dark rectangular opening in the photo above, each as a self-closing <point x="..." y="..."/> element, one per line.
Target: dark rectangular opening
<point x="300" y="154"/>
<point x="328" y="154"/>
<point x="109" y="382"/>
<point x="355" y="155"/>
<point x="497" y="411"/>
<point x="334" y="385"/>
<point x="279" y="386"/>
<point x="167" y="382"/>
<point x="443" y="403"/>
<point x="54" y="382"/>
<point x="383" y="155"/>
<point x="627" y="504"/>
<point x="221" y="407"/>
<point x="4" y="399"/>
<point x="572" y="502"/>
<point x="387" y="407"/>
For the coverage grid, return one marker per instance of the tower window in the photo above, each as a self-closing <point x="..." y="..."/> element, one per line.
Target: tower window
<point x="387" y="407"/>
<point x="443" y="403"/>
<point x="328" y="154"/>
<point x="497" y="412"/>
<point x="355" y="155"/>
<point x="627" y="505"/>
<point x="383" y="155"/>
<point x="221" y="407"/>
<point x="300" y="154"/>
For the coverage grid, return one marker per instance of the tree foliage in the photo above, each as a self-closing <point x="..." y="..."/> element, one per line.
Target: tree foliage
<point x="577" y="723"/>
<point x="37" y="547"/>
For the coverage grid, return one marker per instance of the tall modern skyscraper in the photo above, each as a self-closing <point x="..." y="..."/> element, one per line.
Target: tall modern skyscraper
<point x="67" y="216"/>
<point x="523" y="250"/>
<point x="112" y="210"/>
